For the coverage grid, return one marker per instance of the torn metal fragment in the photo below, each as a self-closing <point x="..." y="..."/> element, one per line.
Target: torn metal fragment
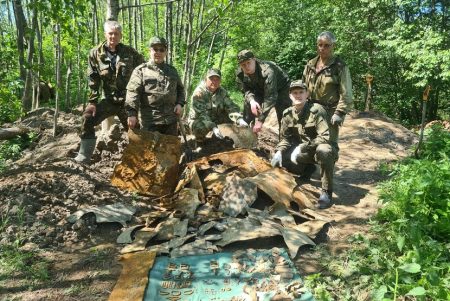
<point x="238" y="194"/>
<point x="125" y="236"/>
<point x="187" y="202"/>
<point x="117" y="212"/>
<point x="170" y="228"/>
<point x="140" y="241"/>
<point x="243" y="137"/>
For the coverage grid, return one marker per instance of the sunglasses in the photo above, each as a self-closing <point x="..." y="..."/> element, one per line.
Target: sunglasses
<point x="159" y="49"/>
<point x="324" y="45"/>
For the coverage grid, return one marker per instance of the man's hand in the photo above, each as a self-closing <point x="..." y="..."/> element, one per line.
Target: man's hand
<point x="257" y="127"/>
<point x="178" y="109"/>
<point x="217" y="133"/>
<point x="241" y="122"/>
<point x="276" y="159"/>
<point x="132" y="121"/>
<point x="255" y="107"/>
<point x="91" y="107"/>
<point x="337" y="120"/>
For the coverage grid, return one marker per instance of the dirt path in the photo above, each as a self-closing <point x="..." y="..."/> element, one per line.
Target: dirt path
<point x="45" y="187"/>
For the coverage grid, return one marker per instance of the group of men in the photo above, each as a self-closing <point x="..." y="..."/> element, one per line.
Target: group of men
<point x="150" y="95"/>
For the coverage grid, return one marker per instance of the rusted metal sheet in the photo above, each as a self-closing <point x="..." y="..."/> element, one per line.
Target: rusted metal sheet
<point x="245" y="161"/>
<point x="149" y="164"/>
<point x="243" y="137"/>
<point x="238" y="195"/>
<point x="189" y="178"/>
<point x="187" y="202"/>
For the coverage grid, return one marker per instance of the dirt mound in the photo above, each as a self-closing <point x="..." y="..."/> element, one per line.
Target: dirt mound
<point x="46" y="185"/>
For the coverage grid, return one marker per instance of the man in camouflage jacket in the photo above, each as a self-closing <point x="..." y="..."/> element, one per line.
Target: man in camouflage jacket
<point x="305" y="139"/>
<point x="329" y="83"/>
<point x="265" y="85"/>
<point x="110" y="66"/>
<point x="155" y="93"/>
<point x="210" y="106"/>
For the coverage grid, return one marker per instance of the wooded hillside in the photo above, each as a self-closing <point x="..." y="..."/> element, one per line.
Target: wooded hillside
<point x="403" y="44"/>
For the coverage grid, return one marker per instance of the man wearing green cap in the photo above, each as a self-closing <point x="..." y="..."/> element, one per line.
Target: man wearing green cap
<point x="265" y="85"/>
<point x="155" y="93"/>
<point x="110" y="66"/>
<point x="210" y="106"/>
<point x="305" y="140"/>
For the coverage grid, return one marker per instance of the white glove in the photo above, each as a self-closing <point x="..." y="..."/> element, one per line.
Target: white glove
<point x="295" y="153"/>
<point x="217" y="133"/>
<point x="241" y="122"/>
<point x="337" y="120"/>
<point x="276" y="159"/>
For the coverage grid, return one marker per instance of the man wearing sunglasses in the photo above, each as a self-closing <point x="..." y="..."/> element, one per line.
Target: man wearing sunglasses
<point x="155" y="93"/>
<point x="110" y="66"/>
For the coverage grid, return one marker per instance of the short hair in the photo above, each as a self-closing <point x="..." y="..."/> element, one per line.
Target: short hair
<point x="111" y="24"/>
<point x="327" y="35"/>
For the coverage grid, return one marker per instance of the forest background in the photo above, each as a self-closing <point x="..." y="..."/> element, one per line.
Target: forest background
<point x="404" y="44"/>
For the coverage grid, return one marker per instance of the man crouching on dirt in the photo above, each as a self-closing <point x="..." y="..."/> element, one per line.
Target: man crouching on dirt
<point x="211" y="105"/>
<point x="155" y="93"/>
<point x="304" y="139"/>
<point x="109" y="68"/>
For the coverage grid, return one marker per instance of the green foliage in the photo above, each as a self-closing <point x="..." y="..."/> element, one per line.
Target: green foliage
<point x="407" y="251"/>
<point x="15" y="262"/>
<point x="11" y="150"/>
<point x="10" y="105"/>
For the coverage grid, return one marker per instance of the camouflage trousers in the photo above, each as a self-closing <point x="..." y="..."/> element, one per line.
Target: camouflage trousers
<point x="325" y="155"/>
<point x="200" y="128"/>
<point x="104" y="109"/>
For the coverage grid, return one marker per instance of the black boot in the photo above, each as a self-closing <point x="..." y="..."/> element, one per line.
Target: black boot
<point x="307" y="172"/>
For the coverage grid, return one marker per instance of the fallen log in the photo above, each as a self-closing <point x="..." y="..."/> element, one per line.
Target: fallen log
<point x="9" y="133"/>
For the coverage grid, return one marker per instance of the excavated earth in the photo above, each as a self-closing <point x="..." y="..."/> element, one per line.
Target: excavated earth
<point x="40" y="190"/>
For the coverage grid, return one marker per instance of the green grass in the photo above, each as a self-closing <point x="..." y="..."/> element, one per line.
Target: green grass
<point x="406" y="255"/>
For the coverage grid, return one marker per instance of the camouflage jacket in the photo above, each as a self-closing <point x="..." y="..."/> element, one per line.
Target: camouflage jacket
<point x="211" y="108"/>
<point x="153" y="91"/>
<point x="112" y="80"/>
<point x="309" y="126"/>
<point x="269" y="85"/>
<point x="331" y="86"/>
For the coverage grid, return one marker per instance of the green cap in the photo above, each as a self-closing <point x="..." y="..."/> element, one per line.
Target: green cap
<point x="297" y="84"/>
<point x="213" y="72"/>
<point x="157" y="41"/>
<point x="245" y="55"/>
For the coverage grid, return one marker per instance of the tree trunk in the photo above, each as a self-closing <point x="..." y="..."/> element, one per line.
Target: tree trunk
<point x="58" y="76"/>
<point x="135" y="22"/>
<point x="112" y="10"/>
<point x="78" y="71"/>
<point x="27" y="100"/>
<point x="130" y="42"/>
<point x="156" y="18"/>
<point x="67" y="90"/>
<point x="224" y="48"/>
<point x="169" y="31"/>
<point x="141" y="25"/>
<point x="186" y="75"/>
<point x="208" y="58"/>
<point x="21" y="25"/>
<point x="197" y="45"/>
<point x="10" y="133"/>
<point x="95" y="24"/>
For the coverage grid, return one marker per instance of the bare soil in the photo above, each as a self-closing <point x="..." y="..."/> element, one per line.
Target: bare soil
<point x="46" y="185"/>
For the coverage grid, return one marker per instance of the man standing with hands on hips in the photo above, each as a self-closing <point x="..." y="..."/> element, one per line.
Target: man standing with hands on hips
<point x="265" y="85"/>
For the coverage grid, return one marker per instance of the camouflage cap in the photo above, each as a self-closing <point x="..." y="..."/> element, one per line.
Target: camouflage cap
<point x="213" y="72"/>
<point x="297" y="84"/>
<point x="157" y="41"/>
<point x="245" y="55"/>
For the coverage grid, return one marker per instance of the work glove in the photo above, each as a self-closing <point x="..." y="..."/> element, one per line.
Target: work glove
<point x="297" y="152"/>
<point x="241" y="122"/>
<point x="276" y="159"/>
<point x="337" y="120"/>
<point x="255" y="107"/>
<point x="217" y="133"/>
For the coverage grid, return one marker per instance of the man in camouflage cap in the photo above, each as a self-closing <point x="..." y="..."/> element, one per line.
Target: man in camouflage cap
<point x="305" y="139"/>
<point x="210" y="106"/>
<point x="265" y="85"/>
<point x="155" y="93"/>
<point x="109" y="68"/>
